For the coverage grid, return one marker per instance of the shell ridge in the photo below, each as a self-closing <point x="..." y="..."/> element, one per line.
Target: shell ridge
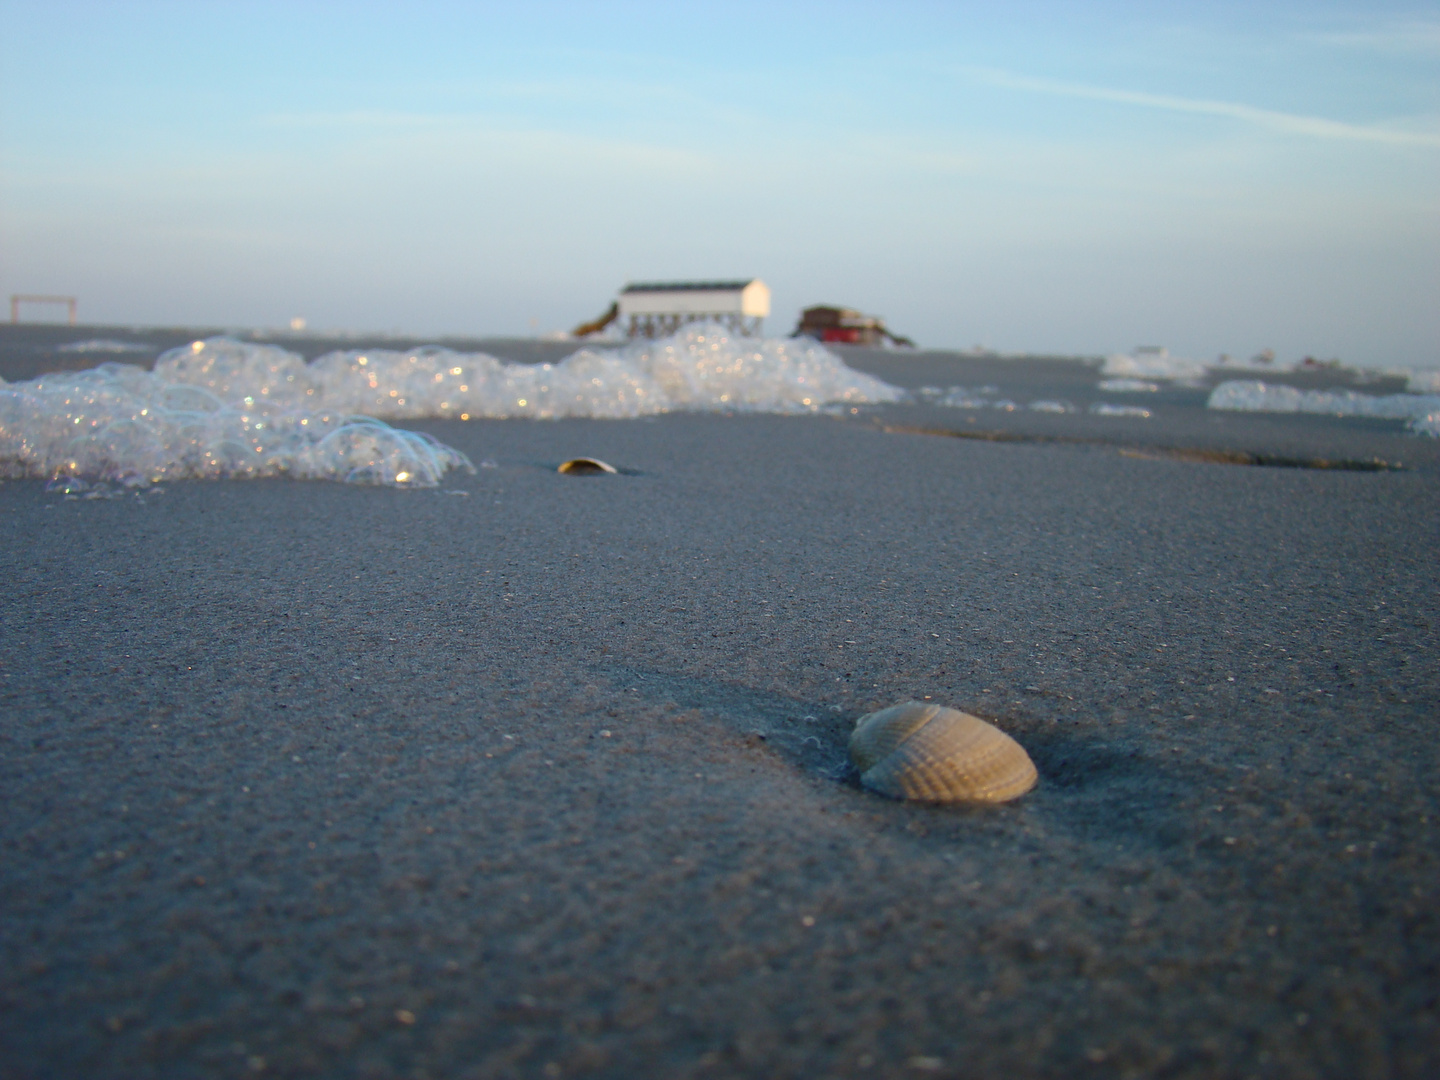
<point x="879" y="734"/>
<point x="938" y="754"/>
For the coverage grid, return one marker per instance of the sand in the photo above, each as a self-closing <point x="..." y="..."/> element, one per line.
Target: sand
<point x="548" y="778"/>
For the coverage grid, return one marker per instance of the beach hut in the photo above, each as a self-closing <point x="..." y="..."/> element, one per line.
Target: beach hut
<point x="655" y="309"/>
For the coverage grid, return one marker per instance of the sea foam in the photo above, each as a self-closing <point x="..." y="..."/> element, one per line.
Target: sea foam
<point x="105" y="345"/>
<point x="1153" y="365"/>
<point x="225" y="408"/>
<point x="1244" y="395"/>
<point x="701" y="369"/>
<point x="122" y="424"/>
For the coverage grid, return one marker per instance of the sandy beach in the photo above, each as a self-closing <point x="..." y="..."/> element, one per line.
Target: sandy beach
<point x="545" y="776"/>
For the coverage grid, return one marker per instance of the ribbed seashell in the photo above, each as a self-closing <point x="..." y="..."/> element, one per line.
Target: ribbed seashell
<point x="586" y="466"/>
<point x="929" y="753"/>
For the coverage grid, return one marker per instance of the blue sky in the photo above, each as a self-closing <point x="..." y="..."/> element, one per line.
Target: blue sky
<point x="1057" y="177"/>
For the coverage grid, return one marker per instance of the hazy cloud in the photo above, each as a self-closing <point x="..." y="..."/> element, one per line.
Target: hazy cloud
<point x="1412" y="37"/>
<point x="1288" y="123"/>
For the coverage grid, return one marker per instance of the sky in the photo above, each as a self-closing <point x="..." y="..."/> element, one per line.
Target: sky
<point x="1053" y="177"/>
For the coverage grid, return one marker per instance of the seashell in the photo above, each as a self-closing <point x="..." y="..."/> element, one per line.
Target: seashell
<point x="586" y="466"/>
<point x="927" y="752"/>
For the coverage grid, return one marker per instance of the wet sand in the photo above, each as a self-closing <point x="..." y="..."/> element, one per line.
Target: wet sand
<point x="548" y="778"/>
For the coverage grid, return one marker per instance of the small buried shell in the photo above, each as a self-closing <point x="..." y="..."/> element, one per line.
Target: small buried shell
<point x="585" y="466"/>
<point x="933" y="754"/>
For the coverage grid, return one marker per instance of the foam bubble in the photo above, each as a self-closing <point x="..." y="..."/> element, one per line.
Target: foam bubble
<point x="1104" y="408"/>
<point x="1149" y="364"/>
<point x="122" y="424"/>
<point x="225" y="408"/>
<point x="958" y="397"/>
<point x="105" y="345"/>
<point x="1129" y="386"/>
<point x="701" y="369"/>
<point x="1421" y="380"/>
<point x="1244" y="395"/>
<point x="1153" y="365"/>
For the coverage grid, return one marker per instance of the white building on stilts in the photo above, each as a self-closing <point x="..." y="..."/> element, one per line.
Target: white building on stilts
<point x="656" y="309"/>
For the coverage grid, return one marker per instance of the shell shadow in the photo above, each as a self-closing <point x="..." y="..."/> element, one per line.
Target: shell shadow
<point x="1102" y="790"/>
<point x="1093" y="789"/>
<point x="812" y="738"/>
<point x="1071" y="761"/>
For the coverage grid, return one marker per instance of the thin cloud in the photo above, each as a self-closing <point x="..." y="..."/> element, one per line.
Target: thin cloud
<point x="1289" y="123"/>
<point x="1413" y="37"/>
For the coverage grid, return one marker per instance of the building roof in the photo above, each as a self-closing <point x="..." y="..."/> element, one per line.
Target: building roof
<point x="686" y="286"/>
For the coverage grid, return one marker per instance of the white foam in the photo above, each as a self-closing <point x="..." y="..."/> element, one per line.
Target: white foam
<point x="122" y="424"/>
<point x="1150" y="364"/>
<point x="701" y="369"/>
<point x="224" y="408"/>
<point x="1153" y="365"/>
<point x="105" y="345"/>
<point x="1157" y="364"/>
<point x="960" y="397"/>
<point x="1129" y="386"/>
<point x="1421" y="410"/>
<point x="1420" y="380"/>
<point x="1104" y="408"/>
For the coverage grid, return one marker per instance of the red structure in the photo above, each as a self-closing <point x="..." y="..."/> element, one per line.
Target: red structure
<point x="846" y="326"/>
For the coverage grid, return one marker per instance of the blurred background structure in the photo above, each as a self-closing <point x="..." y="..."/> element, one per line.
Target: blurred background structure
<point x="846" y="326"/>
<point x="21" y="301"/>
<point x="659" y="308"/>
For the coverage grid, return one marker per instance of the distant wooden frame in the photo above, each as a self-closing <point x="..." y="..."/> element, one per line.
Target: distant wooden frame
<point x="16" y="299"/>
<point x="653" y="326"/>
